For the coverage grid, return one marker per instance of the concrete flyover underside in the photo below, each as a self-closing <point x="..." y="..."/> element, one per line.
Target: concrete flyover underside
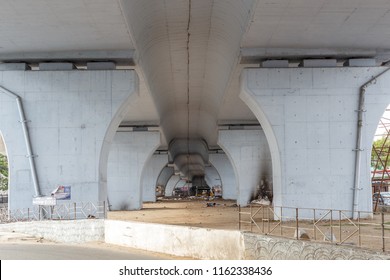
<point x="123" y="97"/>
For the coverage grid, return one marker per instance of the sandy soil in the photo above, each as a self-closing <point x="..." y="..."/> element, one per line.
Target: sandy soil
<point x="222" y="215"/>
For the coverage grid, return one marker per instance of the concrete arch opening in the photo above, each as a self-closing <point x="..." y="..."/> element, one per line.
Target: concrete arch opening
<point x="380" y="162"/>
<point x="188" y="175"/>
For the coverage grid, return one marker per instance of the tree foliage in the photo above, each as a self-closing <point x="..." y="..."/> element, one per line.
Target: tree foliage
<point x="3" y="172"/>
<point x="379" y="154"/>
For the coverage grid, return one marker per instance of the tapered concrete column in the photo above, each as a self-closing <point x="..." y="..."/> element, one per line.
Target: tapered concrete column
<point x="310" y="118"/>
<point x="72" y="117"/>
<point x="174" y="181"/>
<point x="249" y="154"/>
<point x="128" y="156"/>
<point x="149" y="177"/>
<point x="226" y="172"/>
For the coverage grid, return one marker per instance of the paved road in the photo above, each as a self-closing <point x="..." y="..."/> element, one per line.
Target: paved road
<point x="22" y="247"/>
<point x="20" y="251"/>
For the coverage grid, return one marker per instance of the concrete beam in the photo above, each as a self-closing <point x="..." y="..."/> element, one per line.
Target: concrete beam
<point x="14" y="67"/>
<point x="120" y="57"/>
<point x="257" y="55"/>
<point x="319" y="63"/>
<point x="361" y="62"/>
<point x="56" y="66"/>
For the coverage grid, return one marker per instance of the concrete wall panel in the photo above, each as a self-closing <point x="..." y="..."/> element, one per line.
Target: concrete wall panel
<point x="225" y="169"/>
<point x="150" y="174"/>
<point x="313" y="141"/>
<point x="72" y="116"/>
<point x="249" y="154"/>
<point x="129" y="154"/>
<point x="77" y="231"/>
<point x="260" y="247"/>
<point x="176" y="240"/>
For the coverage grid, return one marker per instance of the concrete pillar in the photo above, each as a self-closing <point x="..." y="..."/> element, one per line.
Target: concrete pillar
<point x="128" y="156"/>
<point x="226" y="172"/>
<point x="164" y="176"/>
<point x="212" y="177"/>
<point x="149" y="177"/>
<point x="72" y="117"/>
<point x="310" y="120"/>
<point x="173" y="182"/>
<point x="249" y="154"/>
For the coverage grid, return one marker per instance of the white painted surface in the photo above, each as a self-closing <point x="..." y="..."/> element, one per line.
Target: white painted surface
<point x="171" y="184"/>
<point x="73" y="116"/>
<point x="249" y="153"/>
<point x="176" y="240"/>
<point x="151" y="172"/>
<point x="78" y="231"/>
<point x="310" y="120"/>
<point x="226" y="172"/>
<point x="129" y="153"/>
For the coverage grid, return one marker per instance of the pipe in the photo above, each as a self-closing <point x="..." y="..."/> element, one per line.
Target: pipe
<point x="26" y="135"/>
<point x="361" y="110"/>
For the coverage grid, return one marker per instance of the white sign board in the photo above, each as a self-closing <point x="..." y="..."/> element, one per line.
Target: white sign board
<point x="44" y="201"/>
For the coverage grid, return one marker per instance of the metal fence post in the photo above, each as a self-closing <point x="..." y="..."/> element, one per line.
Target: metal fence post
<point x="281" y="221"/>
<point x="239" y="217"/>
<point x="251" y="218"/>
<point x="74" y="208"/>
<point x="383" y="232"/>
<point x="359" y="235"/>
<point x="331" y="226"/>
<point x="314" y="224"/>
<point x="296" y="218"/>
<point x="340" y="232"/>
<point x="263" y="219"/>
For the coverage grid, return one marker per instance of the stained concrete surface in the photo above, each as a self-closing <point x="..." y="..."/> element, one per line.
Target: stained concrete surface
<point x="18" y="246"/>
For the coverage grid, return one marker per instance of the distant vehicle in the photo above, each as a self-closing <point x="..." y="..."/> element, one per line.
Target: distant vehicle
<point x="383" y="198"/>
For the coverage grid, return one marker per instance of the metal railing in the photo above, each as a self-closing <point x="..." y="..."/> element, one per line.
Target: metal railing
<point x="371" y="230"/>
<point x="3" y="198"/>
<point x="63" y="211"/>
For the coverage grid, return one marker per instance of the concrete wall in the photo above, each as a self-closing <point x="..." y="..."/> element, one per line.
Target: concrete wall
<point x="212" y="177"/>
<point x="261" y="247"/>
<point x="149" y="176"/>
<point x="176" y="240"/>
<point x="249" y="154"/>
<point x="309" y="118"/>
<point x="78" y="231"/>
<point x="128" y="155"/>
<point x="171" y="184"/>
<point x="226" y="172"/>
<point x="164" y="176"/>
<point x="191" y="242"/>
<point x="73" y="116"/>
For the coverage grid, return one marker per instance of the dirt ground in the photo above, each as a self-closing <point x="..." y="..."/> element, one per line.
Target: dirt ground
<point x="197" y="213"/>
<point x="224" y="214"/>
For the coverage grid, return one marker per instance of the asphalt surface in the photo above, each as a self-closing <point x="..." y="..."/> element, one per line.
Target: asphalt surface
<point x="14" y="246"/>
